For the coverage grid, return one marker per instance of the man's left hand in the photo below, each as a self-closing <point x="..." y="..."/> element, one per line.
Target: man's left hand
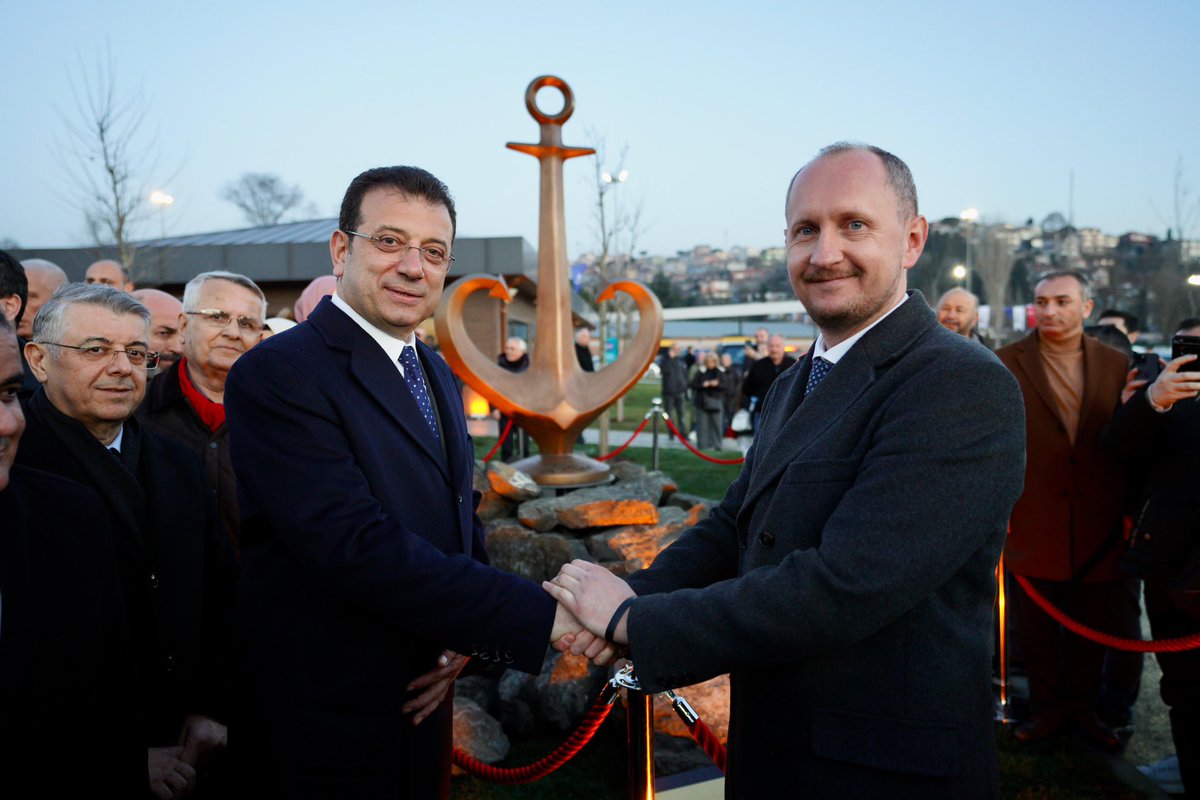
<point x="434" y="685"/>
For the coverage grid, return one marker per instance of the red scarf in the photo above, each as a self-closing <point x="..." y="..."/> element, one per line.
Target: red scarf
<point x="210" y="413"/>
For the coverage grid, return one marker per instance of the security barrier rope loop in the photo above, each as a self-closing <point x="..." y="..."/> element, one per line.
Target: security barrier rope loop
<point x="1190" y="642"/>
<point x="688" y="445"/>
<point x="507" y="430"/>
<point x="560" y="755"/>
<point x="618" y="451"/>
<point x="708" y="742"/>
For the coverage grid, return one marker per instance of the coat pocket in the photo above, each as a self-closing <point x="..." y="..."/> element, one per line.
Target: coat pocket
<point x="916" y="747"/>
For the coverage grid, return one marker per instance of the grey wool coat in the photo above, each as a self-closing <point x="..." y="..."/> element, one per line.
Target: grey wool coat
<point x="846" y="581"/>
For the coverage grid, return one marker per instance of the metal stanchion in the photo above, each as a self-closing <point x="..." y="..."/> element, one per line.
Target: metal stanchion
<point x="656" y="408"/>
<point x="639" y="713"/>
<point x="1002" y="708"/>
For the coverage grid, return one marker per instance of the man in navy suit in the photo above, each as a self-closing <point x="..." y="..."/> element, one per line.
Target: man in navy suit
<point x="365" y="585"/>
<point x="846" y="580"/>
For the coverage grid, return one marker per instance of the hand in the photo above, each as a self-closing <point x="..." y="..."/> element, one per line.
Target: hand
<point x="435" y="685"/>
<point x="1171" y="386"/>
<point x="599" y="651"/>
<point x="200" y="739"/>
<point x="591" y="594"/>
<point x="169" y="775"/>
<point x="1132" y="384"/>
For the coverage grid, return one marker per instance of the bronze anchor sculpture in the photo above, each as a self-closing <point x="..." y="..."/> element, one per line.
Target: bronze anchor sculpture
<point x="554" y="400"/>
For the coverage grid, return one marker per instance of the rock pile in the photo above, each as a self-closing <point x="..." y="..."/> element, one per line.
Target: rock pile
<point x="532" y="532"/>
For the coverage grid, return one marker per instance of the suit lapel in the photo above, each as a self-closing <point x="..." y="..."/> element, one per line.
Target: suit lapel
<point x="1030" y="359"/>
<point x="378" y="376"/>
<point x="1091" y="383"/>
<point x="802" y="421"/>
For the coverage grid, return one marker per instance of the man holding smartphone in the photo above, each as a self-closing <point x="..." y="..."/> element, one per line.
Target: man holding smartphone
<point x="1157" y="432"/>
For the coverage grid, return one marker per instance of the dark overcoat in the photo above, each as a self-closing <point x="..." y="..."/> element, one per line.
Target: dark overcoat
<point x="846" y="580"/>
<point x="362" y="560"/>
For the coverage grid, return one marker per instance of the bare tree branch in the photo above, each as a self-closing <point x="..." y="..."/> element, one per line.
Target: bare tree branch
<point x="106" y="157"/>
<point x="263" y="197"/>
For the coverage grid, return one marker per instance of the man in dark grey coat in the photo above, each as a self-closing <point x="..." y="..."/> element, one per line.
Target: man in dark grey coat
<point x="846" y="581"/>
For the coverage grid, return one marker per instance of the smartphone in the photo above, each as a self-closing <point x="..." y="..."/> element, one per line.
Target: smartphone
<point x="1185" y="345"/>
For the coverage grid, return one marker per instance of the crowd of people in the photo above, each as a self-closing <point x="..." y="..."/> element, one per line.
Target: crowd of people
<point x="252" y="562"/>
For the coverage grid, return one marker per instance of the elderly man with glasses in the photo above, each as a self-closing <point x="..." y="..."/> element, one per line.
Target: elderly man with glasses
<point x="223" y="317"/>
<point x="89" y="353"/>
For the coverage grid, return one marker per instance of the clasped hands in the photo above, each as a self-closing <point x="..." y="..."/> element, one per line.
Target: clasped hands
<point x="588" y="595"/>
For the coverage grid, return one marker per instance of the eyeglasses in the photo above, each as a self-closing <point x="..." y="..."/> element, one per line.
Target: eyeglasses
<point x="100" y="352"/>
<point x="433" y="255"/>
<point x="221" y="318"/>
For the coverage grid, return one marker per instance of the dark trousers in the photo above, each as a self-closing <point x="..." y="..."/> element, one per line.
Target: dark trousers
<point x="1172" y="615"/>
<point x="1066" y="670"/>
<point x="1122" y="668"/>
<point x="511" y="443"/>
<point x="673" y="404"/>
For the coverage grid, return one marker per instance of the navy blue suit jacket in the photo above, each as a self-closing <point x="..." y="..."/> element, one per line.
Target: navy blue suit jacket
<point x="362" y="560"/>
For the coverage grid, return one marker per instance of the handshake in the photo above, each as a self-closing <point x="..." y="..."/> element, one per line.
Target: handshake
<point x="593" y="611"/>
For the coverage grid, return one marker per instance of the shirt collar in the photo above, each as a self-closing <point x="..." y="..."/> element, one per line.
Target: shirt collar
<point x="115" y="444"/>
<point x="391" y="345"/>
<point x="835" y="353"/>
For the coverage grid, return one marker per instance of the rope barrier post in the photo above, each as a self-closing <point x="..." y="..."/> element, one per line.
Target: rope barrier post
<point x="639" y="715"/>
<point x="1002" y="710"/>
<point x="656" y="408"/>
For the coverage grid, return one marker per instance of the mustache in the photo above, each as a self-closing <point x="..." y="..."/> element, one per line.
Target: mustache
<point x="822" y="274"/>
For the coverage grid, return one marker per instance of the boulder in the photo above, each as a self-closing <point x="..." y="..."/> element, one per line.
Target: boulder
<point x="544" y="513"/>
<point x="478" y="733"/>
<point x="479" y="689"/>
<point x="628" y="471"/>
<point x="566" y="689"/>
<point x="493" y="506"/>
<point x="639" y="544"/>
<point x="600" y="513"/>
<point x="512" y="483"/>
<point x="521" y="551"/>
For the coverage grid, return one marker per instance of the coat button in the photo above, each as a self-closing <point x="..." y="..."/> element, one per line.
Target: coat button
<point x="460" y="498"/>
<point x="170" y="663"/>
<point x="153" y="581"/>
<point x="212" y="445"/>
<point x="766" y="539"/>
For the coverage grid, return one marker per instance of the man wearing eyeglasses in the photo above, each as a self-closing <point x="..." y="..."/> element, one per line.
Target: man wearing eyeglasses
<point x="363" y="570"/>
<point x="89" y="352"/>
<point x="223" y="317"/>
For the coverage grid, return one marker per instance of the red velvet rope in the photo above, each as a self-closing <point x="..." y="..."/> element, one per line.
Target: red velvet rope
<point x="708" y="742"/>
<point x="618" y="451"/>
<point x="500" y="441"/>
<point x="544" y="766"/>
<point x="1133" y="645"/>
<point x="688" y="445"/>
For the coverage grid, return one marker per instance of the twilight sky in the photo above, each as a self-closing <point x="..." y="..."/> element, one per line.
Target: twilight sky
<point x="992" y="105"/>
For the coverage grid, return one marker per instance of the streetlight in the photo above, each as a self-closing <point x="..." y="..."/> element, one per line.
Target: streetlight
<point x="162" y="200"/>
<point x="1194" y="279"/>
<point x="959" y="272"/>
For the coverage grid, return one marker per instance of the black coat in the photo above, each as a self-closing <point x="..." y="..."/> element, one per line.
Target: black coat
<point x="674" y="376"/>
<point x="362" y="560"/>
<point x="760" y="376"/>
<point x="177" y="571"/>
<point x="66" y="661"/>
<point x="846" y="580"/>
<point x="166" y="410"/>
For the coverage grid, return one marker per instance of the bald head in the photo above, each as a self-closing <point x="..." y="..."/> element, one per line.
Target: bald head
<point x="109" y="273"/>
<point x="165" y="336"/>
<point x="958" y="311"/>
<point x="776" y="349"/>
<point x="43" y="277"/>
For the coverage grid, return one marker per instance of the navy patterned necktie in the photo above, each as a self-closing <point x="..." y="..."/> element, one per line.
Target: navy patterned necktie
<point x="816" y="373"/>
<point x="416" y="384"/>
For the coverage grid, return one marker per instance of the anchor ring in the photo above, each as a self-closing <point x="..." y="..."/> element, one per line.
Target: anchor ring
<point x="568" y="100"/>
